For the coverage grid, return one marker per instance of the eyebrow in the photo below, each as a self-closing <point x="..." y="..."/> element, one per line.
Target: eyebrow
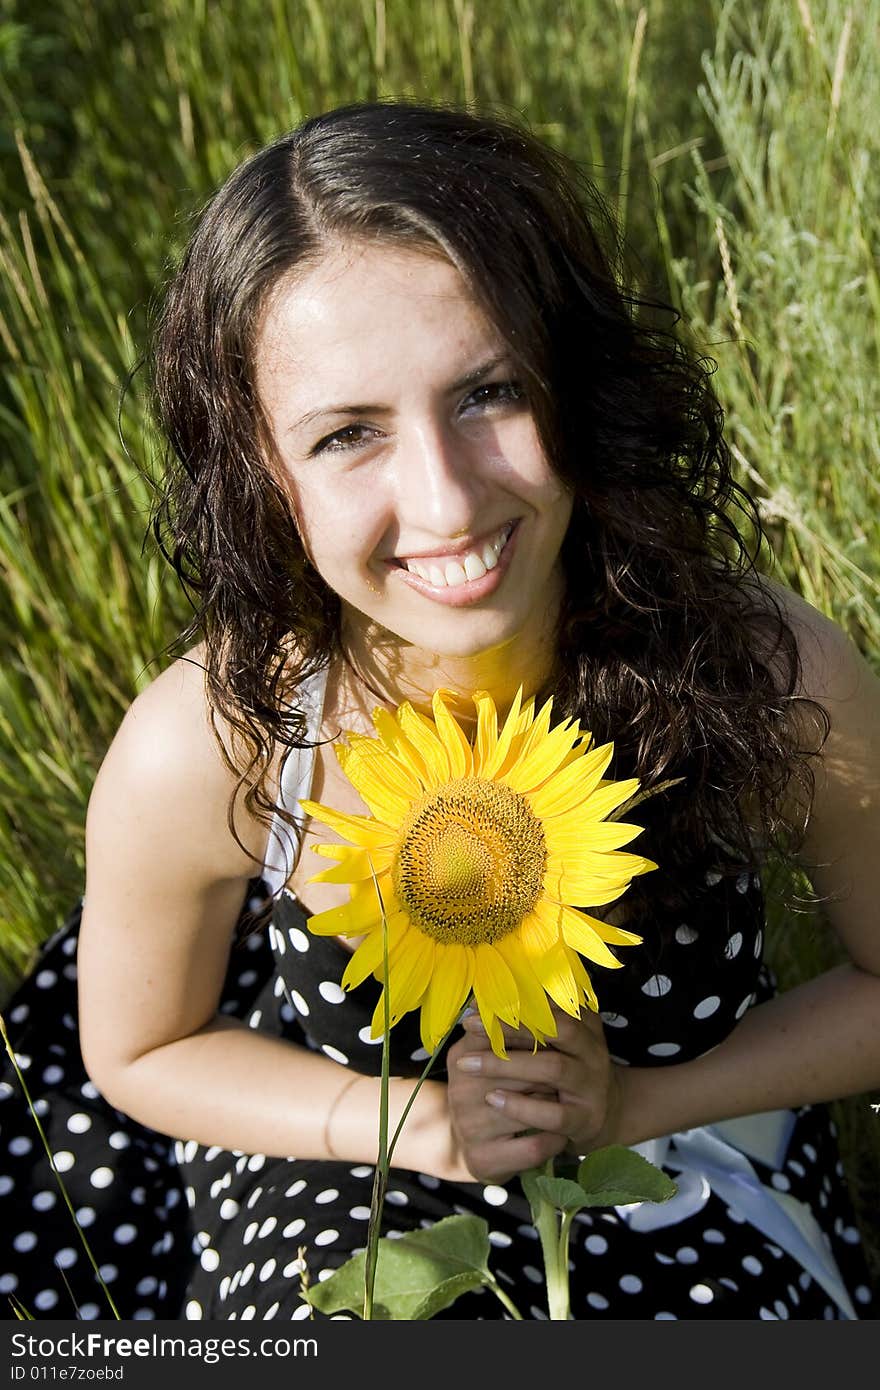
<point x="472" y="378"/>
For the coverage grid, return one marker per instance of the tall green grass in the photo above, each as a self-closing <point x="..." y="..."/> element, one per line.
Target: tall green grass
<point x="739" y="144"/>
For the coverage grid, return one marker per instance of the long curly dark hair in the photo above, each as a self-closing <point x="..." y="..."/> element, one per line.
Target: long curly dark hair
<point x="669" y="643"/>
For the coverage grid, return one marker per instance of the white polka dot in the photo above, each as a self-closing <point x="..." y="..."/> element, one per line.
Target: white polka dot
<point x="862" y="1294"/>
<point x="20" y="1014"/>
<point x="147" y="1285"/>
<point x="597" y="1245"/>
<point x="656" y="986"/>
<point x="8" y="1283"/>
<point x="780" y="1182"/>
<point x="752" y="1265"/>
<point x="119" y="1140"/>
<point x="331" y="991"/>
<point x="125" y="1234"/>
<point x="631" y="1283"/>
<point x="101" y="1177"/>
<point x="24" y="1241"/>
<point x="533" y="1274"/>
<point x="701" y="1293"/>
<point x="363" y="1170"/>
<point x="276" y="940"/>
<point x="266" y="1271"/>
<point x="614" y="1020"/>
<point x="729" y="1284"/>
<point x="326" y="1237"/>
<point x="797" y="1168"/>
<point x="228" y="1209"/>
<point x="850" y="1235"/>
<point x="256" y="1162"/>
<point x="663" y="1259"/>
<point x="254" y="1197"/>
<point x="20" y="1145"/>
<point x="295" y="1188"/>
<point x="713" y="1237"/>
<point x="43" y="1201"/>
<point x="250" y="1232"/>
<point x="85" y="1215"/>
<point x="66" y="1257"/>
<point x="299" y="1003"/>
<point x="89" y="1311"/>
<point x="334" y="1054"/>
<point x="707" y="1006"/>
<point x="809" y="1152"/>
<point x="428" y="1180"/>
<point x="255" y="1018"/>
<point x="360" y="1213"/>
<point x="298" y="939"/>
<point x="303" y="1311"/>
<point x="247" y="977"/>
<point x="734" y="945"/>
<point x="209" y="1259"/>
<point x="500" y="1239"/>
<point x="496" y="1196"/>
<point x="665" y="1317"/>
<point x="781" y="1309"/>
<point x="246" y="1273"/>
<point x="596" y="1300"/>
<point x="193" y="1310"/>
<point x="45" y="1299"/>
<point x="364" y="1035"/>
<point x="759" y="942"/>
<point x="268" y="1226"/>
<point x="293" y="1228"/>
<point x="45" y="979"/>
<point x="667" y="1049"/>
<point x="766" y="1315"/>
<point x="52" y="1075"/>
<point x="687" y="1255"/>
<point x="743" y="1006"/>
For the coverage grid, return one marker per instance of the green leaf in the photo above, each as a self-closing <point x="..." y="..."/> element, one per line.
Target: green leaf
<point x="563" y="1194"/>
<point x="417" y="1274"/>
<point x="616" y="1176"/>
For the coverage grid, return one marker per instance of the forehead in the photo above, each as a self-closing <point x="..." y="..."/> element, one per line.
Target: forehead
<point x="364" y="304"/>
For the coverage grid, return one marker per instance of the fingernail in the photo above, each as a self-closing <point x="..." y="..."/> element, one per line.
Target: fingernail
<point x="469" y="1064"/>
<point x="496" y="1099"/>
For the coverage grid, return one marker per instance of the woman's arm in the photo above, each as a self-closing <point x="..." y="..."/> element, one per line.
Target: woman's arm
<point x="819" y="1041"/>
<point x="165" y="882"/>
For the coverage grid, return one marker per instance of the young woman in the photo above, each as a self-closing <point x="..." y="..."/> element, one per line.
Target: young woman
<point x="422" y="438"/>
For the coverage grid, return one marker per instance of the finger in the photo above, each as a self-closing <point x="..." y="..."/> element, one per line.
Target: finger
<point x="531" y="1111"/>
<point x="544" y="1070"/>
<point x="501" y="1160"/>
<point x="518" y="1038"/>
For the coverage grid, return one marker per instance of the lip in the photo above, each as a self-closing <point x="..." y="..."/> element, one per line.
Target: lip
<point x="471" y="592"/>
<point x="452" y="552"/>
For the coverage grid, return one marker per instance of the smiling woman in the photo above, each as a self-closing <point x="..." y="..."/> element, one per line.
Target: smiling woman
<point x="423" y="439"/>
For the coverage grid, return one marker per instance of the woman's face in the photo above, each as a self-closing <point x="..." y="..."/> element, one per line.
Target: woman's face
<point x="409" y="451"/>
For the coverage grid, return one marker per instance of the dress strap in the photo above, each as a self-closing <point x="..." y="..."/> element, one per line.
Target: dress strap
<point x="295" y="783"/>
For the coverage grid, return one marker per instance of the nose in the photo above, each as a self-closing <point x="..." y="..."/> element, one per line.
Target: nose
<point x="439" y="483"/>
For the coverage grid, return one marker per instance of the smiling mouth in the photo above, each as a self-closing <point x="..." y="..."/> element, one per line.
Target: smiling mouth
<point x="449" y="572"/>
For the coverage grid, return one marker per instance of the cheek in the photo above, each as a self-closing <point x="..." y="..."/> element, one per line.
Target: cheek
<point x="339" y="526"/>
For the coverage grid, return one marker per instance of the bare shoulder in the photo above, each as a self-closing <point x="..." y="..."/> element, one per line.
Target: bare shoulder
<point x="164" y="764"/>
<point x="827" y="654"/>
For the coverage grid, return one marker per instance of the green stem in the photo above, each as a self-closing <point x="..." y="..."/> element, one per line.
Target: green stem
<point x="555" y="1257"/>
<point x="503" y="1298"/>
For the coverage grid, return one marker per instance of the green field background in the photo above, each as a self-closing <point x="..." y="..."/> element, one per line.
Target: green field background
<point x="738" y="143"/>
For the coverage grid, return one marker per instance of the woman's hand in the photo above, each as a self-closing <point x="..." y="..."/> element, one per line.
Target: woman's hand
<point x="568" y="1092"/>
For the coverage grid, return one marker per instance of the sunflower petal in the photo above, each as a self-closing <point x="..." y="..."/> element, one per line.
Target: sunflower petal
<point x="487" y="730"/>
<point x="368" y="957"/>
<point x="393" y="770"/>
<point x="606" y="799"/>
<point x="598" y="836"/>
<point x="450" y="984"/>
<point x="494" y="985"/>
<point x="499" y="753"/>
<point x="533" y="768"/>
<point x="572" y="785"/>
<point x="361" y="865"/>
<point x="409" y="974"/>
<point x="427" y="742"/>
<point x="452" y="736"/>
<point x="394" y="738"/>
<point x="557" y="976"/>
<point x="535" y="1012"/>
<point x="361" y="830"/>
<point x="540" y="931"/>
<point x="366" y="769"/>
<point x="581" y="978"/>
<point x="580" y="936"/>
<point x="358" y="916"/>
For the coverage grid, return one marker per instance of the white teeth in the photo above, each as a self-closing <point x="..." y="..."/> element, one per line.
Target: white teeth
<point x="464" y="568"/>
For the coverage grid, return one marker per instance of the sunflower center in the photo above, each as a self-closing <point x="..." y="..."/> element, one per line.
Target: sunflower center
<point x="470" y="864"/>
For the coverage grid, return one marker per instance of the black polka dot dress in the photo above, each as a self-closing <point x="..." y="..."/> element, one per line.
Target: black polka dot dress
<point x="761" y="1226"/>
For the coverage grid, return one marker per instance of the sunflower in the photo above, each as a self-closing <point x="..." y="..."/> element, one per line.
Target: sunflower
<point x="481" y="852"/>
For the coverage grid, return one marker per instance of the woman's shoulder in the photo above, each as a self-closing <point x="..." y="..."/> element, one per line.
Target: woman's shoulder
<point x="173" y="757"/>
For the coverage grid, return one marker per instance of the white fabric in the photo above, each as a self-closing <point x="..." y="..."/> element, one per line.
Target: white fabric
<point x="295" y="784"/>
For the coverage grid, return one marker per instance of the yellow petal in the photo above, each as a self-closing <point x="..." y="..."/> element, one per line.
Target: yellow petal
<point x="535" y="1012"/>
<point x="494" y="985"/>
<point x="363" y="766"/>
<point x="556" y="974"/>
<point x="394" y="772"/>
<point x="487" y="730"/>
<point x="605" y="799"/>
<point x="449" y="988"/>
<point x="361" y="830"/>
<point x="497" y="757"/>
<point x="581" y="978"/>
<point x="424" y="737"/>
<point x="580" y="892"/>
<point x="596" y="835"/>
<point x="541" y="931"/>
<point x="572" y="785"/>
<point x="368" y="957"/>
<point x="586" y="862"/>
<point x="409" y="974"/>
<point x="529" y="771"/>
<point x="452" y="736"/>
<point x="361" y="865"/>
<point x="616" y="936"/>
<point x="394" y="738"/>
<point x="581" y="937"/>
<point x="359" y="915"/>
